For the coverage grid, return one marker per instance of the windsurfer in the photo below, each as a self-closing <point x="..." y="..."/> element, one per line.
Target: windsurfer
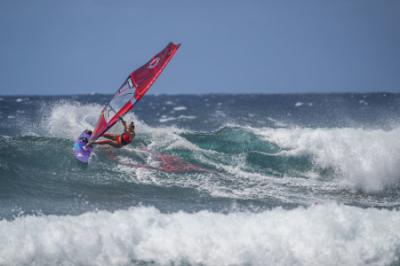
<point x="118" y="141"/>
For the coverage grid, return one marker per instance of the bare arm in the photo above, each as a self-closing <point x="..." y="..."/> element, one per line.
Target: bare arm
<point x="126" y="128"/>
<point x="124" y="124"/>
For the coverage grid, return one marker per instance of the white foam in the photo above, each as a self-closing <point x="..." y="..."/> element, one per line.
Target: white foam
<point x="164" y="138"/>
<point x="298" y="104"/>
<point x="180" y="108"/>
<point x="187" y="117"/>
<point x="276" y="122"/>
<point x="366" y="159"/>
<point x="18" y="100"/>
<point x="219" y="114"/>
<point x="165" y="118"/>
<point x="319" y="235"/>
<point x="245" y="184"/>
<point x="69" y="119"/>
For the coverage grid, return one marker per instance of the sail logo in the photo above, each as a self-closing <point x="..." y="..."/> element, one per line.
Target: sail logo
<point x="153" y="63"/>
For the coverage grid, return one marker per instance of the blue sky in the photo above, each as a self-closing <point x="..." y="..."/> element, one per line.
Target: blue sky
<point x="282" y="46"/>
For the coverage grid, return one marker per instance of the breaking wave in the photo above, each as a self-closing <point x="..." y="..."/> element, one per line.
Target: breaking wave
<point x="318" y="235"/>
<point x="366" y="159"/>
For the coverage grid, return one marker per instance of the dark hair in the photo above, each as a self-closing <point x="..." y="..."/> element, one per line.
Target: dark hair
<point x="84" y="140"/>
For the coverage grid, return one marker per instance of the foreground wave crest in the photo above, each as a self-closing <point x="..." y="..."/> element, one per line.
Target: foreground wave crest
<point x="318" y="235"/>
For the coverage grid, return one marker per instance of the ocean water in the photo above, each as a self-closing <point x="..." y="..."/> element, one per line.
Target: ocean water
<point x="303" y="179"/>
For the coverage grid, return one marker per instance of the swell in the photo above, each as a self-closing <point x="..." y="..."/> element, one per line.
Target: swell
<point x="173" y="167"/>
<point x="262" y="166"/>
<point x="357" y="158"/>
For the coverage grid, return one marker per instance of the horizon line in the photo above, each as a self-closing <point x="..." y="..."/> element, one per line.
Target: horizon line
<point x="205" y="94"/>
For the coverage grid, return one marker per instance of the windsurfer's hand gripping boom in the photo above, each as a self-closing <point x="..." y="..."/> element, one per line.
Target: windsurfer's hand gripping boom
<point x="127" y="128"/>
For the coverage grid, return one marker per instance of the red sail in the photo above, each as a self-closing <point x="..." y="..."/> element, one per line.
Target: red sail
<point x="143" y="77"/>
<point x="133" y="89"/>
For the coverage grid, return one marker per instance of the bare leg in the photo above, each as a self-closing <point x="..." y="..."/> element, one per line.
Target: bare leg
<point x="108" y="142"/>
<point x="110" y="136"/>
<point x="107" y="136"/>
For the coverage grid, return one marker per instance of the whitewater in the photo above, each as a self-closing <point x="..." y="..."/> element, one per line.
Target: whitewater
<point x="307" y="179"/>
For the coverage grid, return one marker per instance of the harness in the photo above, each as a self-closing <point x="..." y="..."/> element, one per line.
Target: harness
<point x="125" y="139"/>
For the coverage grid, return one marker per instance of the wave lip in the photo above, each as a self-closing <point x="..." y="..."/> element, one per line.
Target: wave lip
<point x="328" y="234"/>
<point x="363" y="159"/>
